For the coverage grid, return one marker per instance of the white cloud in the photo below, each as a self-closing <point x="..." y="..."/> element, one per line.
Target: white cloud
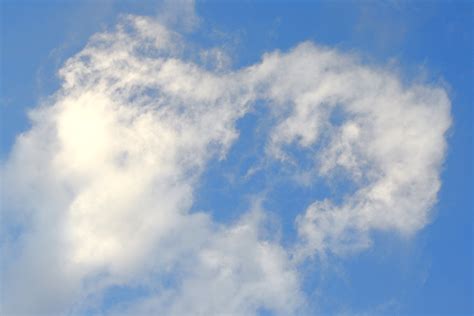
<point x="179" y="14"/>
<point x="105" y="180"/>
<point x="387" y="138"/>
<point x="102" y="184"/>
<point x="235" y="272"/>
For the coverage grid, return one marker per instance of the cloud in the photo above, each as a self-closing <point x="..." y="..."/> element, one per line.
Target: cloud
<point x="99" y="191"/>
<point x="107" y="172"/>
<point x="179" y="14"/>
<point x="236" y="272"/>
<point x="386" y="138"/>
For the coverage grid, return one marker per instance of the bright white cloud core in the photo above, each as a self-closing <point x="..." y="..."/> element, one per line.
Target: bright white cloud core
<point x="99" y="190"/>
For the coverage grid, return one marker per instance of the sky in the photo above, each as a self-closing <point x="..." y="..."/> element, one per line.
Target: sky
<point x="236" y="158"/>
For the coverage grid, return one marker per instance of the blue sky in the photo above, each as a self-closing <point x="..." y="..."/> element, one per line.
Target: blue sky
<point x="418" y="262"/>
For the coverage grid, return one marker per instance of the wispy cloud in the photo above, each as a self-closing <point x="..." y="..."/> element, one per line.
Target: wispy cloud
<point x="102" y="185"/>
